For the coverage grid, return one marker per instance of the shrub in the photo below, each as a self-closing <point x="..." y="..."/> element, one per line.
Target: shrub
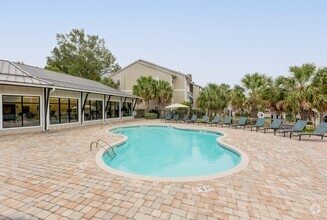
<point x="155" y="111"/>
<point x="151" y="116"/>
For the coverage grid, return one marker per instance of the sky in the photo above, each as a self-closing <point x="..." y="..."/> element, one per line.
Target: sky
<point x="215" y="41"/>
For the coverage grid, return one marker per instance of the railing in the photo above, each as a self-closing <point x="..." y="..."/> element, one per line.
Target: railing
<point x="109" y="149"/>
<point x="108" y="122"/>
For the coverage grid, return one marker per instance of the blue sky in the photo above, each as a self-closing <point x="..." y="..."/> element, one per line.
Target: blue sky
<point x="215" y="41"/>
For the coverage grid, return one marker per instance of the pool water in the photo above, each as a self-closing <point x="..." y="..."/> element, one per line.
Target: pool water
<point x="170" y="152"/>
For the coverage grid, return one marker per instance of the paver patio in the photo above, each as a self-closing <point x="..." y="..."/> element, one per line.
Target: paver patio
<point x="54" y="176"/>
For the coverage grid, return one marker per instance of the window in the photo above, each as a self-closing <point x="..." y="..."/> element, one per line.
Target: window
<point x="20" y="111"/>
<point x="118" y="82"/>
<point x="113" y="109"/>
<point x="93" y="110"/>
<point x="127" y="109"/>
<point x="63" y="110"/>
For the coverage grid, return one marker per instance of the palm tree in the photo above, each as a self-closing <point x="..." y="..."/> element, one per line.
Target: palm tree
<point x="213" y="97"/>
<point x="145" y="88"/>
<point x="301" y="94"/>
<point x="277" y="95"/>
<point x="163" y="92"/>
<point x="319" y="81"/>
<point x="237" y="98"/>
<point x="257" y="87"/>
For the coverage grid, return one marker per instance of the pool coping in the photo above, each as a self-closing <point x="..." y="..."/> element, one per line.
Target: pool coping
<point x="242" y="164"/>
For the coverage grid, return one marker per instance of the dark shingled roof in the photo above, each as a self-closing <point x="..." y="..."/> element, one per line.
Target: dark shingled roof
<point x="66" y="81"/>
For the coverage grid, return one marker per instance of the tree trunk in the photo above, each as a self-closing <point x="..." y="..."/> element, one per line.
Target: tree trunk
<point x="147" y="106"/>
<point x="321" y="117"/>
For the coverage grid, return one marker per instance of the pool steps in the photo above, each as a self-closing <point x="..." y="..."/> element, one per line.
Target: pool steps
<point x="109" y="149"/>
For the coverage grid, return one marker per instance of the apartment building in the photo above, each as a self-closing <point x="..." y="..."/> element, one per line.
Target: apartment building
<point x="184" y="89"/>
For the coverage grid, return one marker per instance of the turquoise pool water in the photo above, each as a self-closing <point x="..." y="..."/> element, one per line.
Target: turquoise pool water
<point x="170" y="152"/>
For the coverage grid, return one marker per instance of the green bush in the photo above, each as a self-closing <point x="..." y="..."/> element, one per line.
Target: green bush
<point x="151" y="116"/>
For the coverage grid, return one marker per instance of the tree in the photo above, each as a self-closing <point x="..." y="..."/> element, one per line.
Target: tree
<point x="82" y="55"/>
<point x="277" y="95"/>
<point x="214" y="97"/>
<point x="257" y="88"/>
<point x="319" y="82"/>
<point x="163" y="92"/>
<point x="109" y="82"/>
<point x="302" y="96"/>
<point x="237" y="98"/>
<point x="189" y="104"/>
<point x="52" y="68"/>
<point x="145" y="88"/>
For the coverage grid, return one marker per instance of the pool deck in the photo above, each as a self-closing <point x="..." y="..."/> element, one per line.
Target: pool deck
<point x="54" y="176"/>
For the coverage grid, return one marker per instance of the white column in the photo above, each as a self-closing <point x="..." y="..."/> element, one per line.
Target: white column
<point x="120" y="107"/>
<point x="1" y="114"/>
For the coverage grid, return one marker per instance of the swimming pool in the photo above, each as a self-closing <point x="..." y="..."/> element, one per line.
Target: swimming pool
<point x="161" y="151"/>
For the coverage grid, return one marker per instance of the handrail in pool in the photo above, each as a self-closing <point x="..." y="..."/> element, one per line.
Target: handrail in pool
<point x="110" y="150"/>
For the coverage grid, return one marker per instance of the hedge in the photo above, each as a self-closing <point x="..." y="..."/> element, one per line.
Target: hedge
<point x="151" y="116"/>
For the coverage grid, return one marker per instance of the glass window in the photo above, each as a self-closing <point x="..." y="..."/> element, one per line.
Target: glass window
<point x="64" y="113"/>
<point x="20" y="111"/>
<point x="127" y="109"/>
<point x="93" y="110"/>
<point x="113" y="110"/>
<point x="63" y="110"/>
<point x="54" y="111"/>
<point x="73" y="110"/>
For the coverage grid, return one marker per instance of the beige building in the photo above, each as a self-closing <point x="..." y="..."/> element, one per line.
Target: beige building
<point x="183" y="87"/>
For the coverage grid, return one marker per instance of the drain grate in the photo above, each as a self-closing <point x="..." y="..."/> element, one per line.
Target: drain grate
<point x="202" y="189"/>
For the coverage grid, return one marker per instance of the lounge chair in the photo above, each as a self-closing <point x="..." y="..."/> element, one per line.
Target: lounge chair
<point x="298" y="127"/>
<point x="204" y="120"/>
<point x="258" y="124"/>
<point x="192" y="120"/>
<point x="241" y="123"/>
<point x="275" y="125"/>
<point x="168" y="117"/>
<point x="175" y="118"/>
<point x="215" y="121"/>
<point x="226" y="121"/>
<point x="185" y="118"/>
<point x="320" y="131"/>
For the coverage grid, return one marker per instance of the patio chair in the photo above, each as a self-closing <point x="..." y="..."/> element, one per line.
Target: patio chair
<point x="319" y="131"/>
<point x="215" y="121"/>
<point x="298" y="127"/>
<point x="192" y="120"/>
<point x="275" y="125"/>
<point x="168" y="117"/>
<point x="241" y="123"/>
<point x="226" y="121"/>
<point x="258" y="124"/>
<point x="185" y="118"/>
<point x="175" y="118"/>
<point x="204" y="120"/>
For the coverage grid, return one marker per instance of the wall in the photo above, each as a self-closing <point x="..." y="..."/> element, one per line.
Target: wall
<point x="129" y="76"/>
<point x="32" y="91"/>
<point x="196" y="91"/>
<point x="58" y="93"/>
<point x="20" y="90"/>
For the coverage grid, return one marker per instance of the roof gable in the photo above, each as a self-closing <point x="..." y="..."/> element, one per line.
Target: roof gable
<point x="155" y="66"/>
<point x="10" y="73"/>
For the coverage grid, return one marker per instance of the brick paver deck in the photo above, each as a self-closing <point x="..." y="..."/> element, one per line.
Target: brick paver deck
<point x="54" y="176"/>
